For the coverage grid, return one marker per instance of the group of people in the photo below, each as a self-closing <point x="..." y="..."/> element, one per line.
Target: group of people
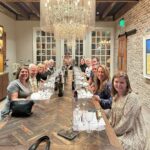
<point x="28" y="80"/>
<point x="123" y="104"/>
<point x="116" y="96"/>
<point x="98" y="78"/>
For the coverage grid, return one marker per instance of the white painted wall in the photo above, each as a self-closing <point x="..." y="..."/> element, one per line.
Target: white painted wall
<point x="10" y="28"/>
<point x="19" y="40"/>
<point x="24" y="40"/>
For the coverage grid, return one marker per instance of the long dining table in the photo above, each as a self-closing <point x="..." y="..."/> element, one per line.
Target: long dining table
<point x="49" y="117"/>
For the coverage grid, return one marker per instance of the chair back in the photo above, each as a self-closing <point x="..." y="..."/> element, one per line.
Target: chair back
<point x="45" y="139"/>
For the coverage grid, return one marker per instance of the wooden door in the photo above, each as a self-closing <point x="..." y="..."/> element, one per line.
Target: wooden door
<point x="122" y="53"/>
<point x="1" y="87"/>
<point x="1" y="62"/>
<point x="3" y="54"/>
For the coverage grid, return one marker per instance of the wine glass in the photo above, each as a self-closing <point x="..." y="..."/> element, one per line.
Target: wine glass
<point x="89" y="117"/>
<point x="77" y="117"/>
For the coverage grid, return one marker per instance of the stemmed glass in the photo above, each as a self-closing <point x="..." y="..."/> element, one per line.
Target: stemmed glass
<point x="83" y="108"/>
<point x="89" y="117"/>
<point x="77" y="117"/>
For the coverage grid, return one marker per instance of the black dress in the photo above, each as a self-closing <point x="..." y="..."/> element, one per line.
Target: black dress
<point x="83" y="67"/>
<point x="41" y="76"/>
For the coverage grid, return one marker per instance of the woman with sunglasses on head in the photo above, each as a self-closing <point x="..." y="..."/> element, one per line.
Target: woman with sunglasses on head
<point x="126" y="118"/>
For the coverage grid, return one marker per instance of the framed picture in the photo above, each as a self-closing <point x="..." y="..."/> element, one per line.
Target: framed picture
<point x="146" y="56"/>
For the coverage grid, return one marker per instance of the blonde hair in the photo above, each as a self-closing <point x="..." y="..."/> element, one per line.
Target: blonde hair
<point x="40" y="65"/>
<point x="101" y="84"/>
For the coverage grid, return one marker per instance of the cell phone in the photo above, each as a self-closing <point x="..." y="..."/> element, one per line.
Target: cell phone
<point x="68" y="134"/>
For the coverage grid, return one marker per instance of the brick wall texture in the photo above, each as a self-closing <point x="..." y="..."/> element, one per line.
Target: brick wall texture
<point x="137" y="18"/>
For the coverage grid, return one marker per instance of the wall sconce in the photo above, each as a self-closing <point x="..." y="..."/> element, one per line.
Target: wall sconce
<point x="1" y="31"/>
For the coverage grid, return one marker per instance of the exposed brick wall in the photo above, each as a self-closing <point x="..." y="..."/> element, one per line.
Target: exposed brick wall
<point x="137" y="18"/>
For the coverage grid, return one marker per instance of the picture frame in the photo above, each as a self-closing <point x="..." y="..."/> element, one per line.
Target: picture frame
<point x="146" y="56"/>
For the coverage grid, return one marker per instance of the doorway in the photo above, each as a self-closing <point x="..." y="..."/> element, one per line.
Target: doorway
<point x="75" y="50"/>
<point x="122" y="53"/>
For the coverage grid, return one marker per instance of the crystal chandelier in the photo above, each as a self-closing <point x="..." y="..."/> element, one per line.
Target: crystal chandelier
<point x="67" y="19"/>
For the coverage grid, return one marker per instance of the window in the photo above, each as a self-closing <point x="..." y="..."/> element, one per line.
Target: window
<point x="79" y="53"/>
<point x="75" y="49"/>
<point x="45" y="46"/>
<point x="101" y="46"/>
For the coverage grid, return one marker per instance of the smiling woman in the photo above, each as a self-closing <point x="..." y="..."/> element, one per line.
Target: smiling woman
<point x="103" y="87"/>
<point x="18" y="89"/>
<point x="126" y="118"/>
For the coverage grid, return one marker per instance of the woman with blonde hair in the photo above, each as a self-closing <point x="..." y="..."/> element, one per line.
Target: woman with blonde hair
<point x="103" y="89"/>
<point x="41" y="75"/>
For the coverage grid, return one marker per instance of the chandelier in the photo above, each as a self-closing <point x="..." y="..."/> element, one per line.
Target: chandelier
<point x="67" y="19"/>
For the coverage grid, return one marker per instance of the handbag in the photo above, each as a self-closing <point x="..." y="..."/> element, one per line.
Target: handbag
<point x="21" y="108"/>
<point x="39" y="141"/>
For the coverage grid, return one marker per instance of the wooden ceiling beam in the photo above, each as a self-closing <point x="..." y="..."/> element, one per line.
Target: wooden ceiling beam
<point x="13" y="8"/>
<point x="26" y="1"/>
<point x="122" y="11"/>
<point x="7" y="12"/>
<point x="105" y="1"/>
<point x="106" y="12"/>
<point x="33" y="9"/>
<point x="96" y="1"/>
<point x="109" y="18"/>
<point x="10" y="8"/>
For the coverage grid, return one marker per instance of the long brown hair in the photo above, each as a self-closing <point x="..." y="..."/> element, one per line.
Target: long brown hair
<point x="19" y="70"/>
<point x="101" y="84"/>
<point x="119" y="75"/>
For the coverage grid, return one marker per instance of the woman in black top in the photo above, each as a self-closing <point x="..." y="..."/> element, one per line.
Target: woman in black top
<point x="41" y="75"/>
<point x="82" y="65"/>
